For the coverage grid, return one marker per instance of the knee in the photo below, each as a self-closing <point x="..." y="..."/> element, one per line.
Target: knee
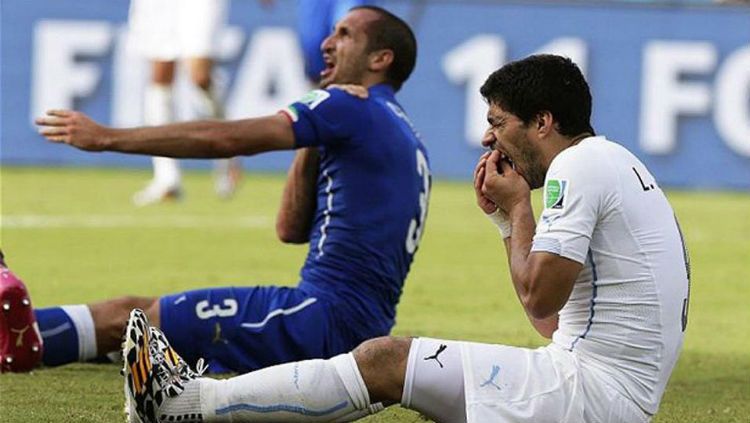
<point x="128" y="303"/>
<point x="114" y="313"/>
<point x="111" y="316"/>
<point x="202" y="81"/>
<point x="200" y="74"/>
<point x="382" y="363"/>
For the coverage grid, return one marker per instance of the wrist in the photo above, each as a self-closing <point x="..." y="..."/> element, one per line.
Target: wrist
<point x="520" y="207"/>
<point x="502" y="221"/>
<point x="109" y="138"/>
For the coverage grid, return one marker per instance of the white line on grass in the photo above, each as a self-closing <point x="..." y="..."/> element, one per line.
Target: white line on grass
<point x="33" y="221"/>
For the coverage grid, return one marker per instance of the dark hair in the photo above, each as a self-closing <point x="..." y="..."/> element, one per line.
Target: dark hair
<point x="541" y="83"/>
<point x="390" y="32"/>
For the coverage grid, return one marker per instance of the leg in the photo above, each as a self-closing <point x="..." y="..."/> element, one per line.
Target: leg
<point x="333" y="390"/>
<point x="157" y="110"/>
<point x="422" y="374"/>
<point x="162" y="72"/>
<point x="207" y="105"/>
<point x="246" y="328"/>
<point x="307" y="391"/>
<point x="80" y="333"/>
<point x="201" y="25"/>
<point x="111" y="316"/>
<point x="382" y="363"/>
<point x="200" y="72"/>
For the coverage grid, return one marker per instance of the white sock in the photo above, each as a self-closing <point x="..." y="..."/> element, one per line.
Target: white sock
<point x="434" y="381"/>
<point x="158" y="111"/>
<point x="206" y="104"/>
<point x="307" y="391"/>
<point x="80" y="315"/>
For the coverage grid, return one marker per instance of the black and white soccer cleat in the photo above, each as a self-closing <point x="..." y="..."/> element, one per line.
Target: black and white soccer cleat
<point x="153" y="372"/>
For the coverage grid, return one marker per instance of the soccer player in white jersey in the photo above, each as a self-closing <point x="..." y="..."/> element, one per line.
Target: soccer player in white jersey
<point x="165" y="31"/>
<point x="604" y="274"/>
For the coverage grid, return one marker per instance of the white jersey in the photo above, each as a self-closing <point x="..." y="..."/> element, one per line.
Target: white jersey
<point x="627" y="312"/>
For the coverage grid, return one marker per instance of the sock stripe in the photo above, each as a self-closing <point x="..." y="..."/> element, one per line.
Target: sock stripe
<point x="56" y="330"/>
<point x="281" y="407"/>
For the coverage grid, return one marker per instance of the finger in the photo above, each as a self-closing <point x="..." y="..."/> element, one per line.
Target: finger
<point x="58" y="139"/>
<point x="492" y="163"/>
<point x="482" y="161"/>
<point x="479" y="180"/>
<point x="59" y="112"/>
<point x="50" y="121"/>
<point x="355" y="90"/>
<point x="480" y="165"/>
<point x="52" y="131"/>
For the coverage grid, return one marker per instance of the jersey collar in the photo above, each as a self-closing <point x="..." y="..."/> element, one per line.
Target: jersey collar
<point x="382" y="89"/>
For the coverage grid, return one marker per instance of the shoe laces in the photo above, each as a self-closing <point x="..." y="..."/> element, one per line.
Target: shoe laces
<point x="170" y="375"/>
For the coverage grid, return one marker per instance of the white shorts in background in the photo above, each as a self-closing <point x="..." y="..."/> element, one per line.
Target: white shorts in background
<point x="508" y="384"/>
<point x="176" y="29"/>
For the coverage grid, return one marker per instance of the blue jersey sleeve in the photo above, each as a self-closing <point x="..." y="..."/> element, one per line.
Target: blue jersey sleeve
<point x="326" y="117"/>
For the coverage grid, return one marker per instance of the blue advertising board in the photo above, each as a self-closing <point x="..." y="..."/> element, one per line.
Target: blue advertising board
<point x="670" y="83"/>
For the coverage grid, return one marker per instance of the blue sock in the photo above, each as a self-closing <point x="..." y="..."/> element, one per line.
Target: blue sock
<point x="68" y="334"/>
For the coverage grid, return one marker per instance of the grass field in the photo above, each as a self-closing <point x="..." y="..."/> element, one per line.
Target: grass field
<point x="74" y="237"/>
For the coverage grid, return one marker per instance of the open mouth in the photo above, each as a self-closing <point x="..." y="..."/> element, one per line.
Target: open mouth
<point x="330" y="65"/>
<point x="505" y="157"/>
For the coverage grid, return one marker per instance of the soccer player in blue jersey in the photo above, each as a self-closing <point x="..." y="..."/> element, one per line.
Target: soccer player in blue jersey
<point x="357" y="192"/>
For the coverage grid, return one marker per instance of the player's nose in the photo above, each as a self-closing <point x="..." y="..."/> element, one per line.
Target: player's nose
<point x="327" y="45"/>
<point x="488" y="139"/>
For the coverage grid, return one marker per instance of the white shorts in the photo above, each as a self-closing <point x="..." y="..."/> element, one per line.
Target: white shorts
<point x="173" y="29"/>
<point x="509" y="384"/>
<point x="455" y="382"/>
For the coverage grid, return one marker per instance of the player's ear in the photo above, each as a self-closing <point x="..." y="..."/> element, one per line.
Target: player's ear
<point x="545" y="123"/>
<point x="381" y="60"/>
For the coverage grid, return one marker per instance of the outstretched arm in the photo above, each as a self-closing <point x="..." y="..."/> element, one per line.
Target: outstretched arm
<point x="199" y="139"/>
<point x="299" y="199"/>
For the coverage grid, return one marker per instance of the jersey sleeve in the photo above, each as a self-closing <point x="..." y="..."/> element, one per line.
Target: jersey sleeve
<point x="575" y="192"/>
<point x="325" y="118"/>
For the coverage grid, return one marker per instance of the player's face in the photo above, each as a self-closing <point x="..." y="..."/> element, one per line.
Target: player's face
<point x="345" y="50"/>
<point x="510" y="136"/>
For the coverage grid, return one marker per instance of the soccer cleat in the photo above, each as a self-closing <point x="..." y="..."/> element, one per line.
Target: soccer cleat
<point x="227" y="175"/>
<point x="157" y="193"/>
<point x="153" y="372"/>
<point x="20" y="341"/>
<point x="137" y="368"/>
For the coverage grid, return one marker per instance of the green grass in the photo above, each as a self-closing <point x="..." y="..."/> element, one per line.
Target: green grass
<point x="459" y="286"/>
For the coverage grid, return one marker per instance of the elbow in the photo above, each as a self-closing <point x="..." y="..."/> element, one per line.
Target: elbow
<point x="538" y="302"/>
<point x="290" y="235"/>
<point x="539" y="308"/>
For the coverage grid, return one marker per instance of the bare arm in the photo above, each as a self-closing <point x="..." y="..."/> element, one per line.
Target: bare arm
<point x="542" y="281"/>
<point x="299" y="199"/>
<point x="198" y="139"/>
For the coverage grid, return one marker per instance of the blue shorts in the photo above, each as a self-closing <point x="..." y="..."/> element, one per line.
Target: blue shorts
<point x="315" y="22"/>
<point x="242" y="329"/>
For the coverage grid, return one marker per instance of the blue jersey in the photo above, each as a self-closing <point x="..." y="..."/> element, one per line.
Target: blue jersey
<point x="372" y="195"/>
<point x="372" y="192"/>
